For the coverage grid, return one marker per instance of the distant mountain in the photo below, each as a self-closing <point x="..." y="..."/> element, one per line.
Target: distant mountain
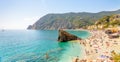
<point x="69" y="20"/>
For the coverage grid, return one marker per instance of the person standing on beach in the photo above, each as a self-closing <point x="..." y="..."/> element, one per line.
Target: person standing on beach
<point x="107" y="44"/>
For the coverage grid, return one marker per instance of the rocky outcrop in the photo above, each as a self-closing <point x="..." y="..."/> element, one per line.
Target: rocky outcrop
<point x="65" y="36"/>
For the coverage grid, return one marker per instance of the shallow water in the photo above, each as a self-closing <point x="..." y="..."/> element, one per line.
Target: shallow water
<point x="34" y="45"/>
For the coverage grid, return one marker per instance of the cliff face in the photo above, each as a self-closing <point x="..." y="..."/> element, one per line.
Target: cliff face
<point x="65" y="36"/>
<point x="69" y="20"/>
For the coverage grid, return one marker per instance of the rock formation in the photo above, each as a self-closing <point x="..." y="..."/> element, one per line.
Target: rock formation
<point x="65" y="36"/>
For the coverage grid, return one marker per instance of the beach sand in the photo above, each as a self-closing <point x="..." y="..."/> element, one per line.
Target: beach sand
<point x="98" y="47"/>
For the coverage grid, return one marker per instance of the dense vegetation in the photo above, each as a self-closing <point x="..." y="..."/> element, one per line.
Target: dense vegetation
<point x="106" y="22"/>
<point x="109" y="21"/>
<point x="70" y="20"/>
<point x="115" y="56"/>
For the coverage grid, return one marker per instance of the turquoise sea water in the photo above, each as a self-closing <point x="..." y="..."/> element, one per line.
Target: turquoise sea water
<point x="34" y="45"/>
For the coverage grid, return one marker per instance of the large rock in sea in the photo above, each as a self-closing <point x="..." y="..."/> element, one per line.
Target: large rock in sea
<point x="65" y="36"/>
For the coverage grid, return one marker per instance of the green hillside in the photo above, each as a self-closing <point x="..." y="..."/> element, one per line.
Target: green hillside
<point x="106" y="22"/>
<point x="70" y="20"/>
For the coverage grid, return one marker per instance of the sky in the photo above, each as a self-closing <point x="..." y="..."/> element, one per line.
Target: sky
<point x="18" y="14"/>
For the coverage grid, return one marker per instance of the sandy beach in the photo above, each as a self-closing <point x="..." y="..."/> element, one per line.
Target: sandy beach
<point x="98" y="47"/>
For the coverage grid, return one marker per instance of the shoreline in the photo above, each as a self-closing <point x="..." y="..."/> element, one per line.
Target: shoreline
<point x="98" y="47"/>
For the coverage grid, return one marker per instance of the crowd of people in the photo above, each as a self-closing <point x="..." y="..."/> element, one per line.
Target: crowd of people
<point x="98" y="47"/>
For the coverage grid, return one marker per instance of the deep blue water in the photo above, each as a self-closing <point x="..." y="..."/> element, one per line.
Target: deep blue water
<point x="33" y="45"/>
